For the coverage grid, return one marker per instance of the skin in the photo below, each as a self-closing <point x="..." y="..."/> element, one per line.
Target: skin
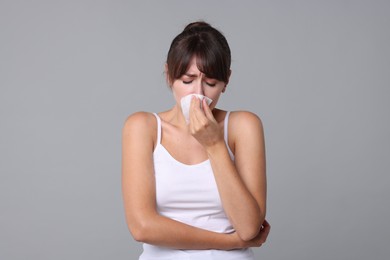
<point x="198" y="141"/>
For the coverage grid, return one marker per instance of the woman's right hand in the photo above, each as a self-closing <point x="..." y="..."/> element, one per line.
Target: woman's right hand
<point x="257" y="241"/>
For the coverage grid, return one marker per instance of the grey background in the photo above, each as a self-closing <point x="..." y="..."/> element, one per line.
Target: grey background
<point x="316" y="72"/>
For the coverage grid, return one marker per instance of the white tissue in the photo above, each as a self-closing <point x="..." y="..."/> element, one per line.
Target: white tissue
<point x="186" y="103"/>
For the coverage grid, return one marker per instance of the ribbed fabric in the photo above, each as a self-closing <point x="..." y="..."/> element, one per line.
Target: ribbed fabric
<point x="189" y="194"/>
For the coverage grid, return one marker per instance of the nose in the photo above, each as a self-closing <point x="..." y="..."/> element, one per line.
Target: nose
<point x="199" y="86"/>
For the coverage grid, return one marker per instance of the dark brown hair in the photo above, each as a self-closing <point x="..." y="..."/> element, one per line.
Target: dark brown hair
<point x="204" y="42"/>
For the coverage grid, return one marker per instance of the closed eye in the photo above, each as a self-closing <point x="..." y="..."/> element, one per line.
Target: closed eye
<point x="211" y="84"/>
<point x="187" y="82"/>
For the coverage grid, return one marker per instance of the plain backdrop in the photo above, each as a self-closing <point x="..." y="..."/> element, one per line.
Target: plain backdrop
<point x="316" y="72"/>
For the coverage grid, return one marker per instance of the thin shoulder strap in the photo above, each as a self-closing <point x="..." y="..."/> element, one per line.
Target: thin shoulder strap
<point x="225" y="133"/>
<point x="158" y="128"/>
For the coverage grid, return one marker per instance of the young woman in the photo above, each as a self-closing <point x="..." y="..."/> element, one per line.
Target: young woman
<point x="195" y="188"/>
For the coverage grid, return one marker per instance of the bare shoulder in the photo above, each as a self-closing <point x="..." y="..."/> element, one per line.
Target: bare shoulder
<point x="140" y="119"/>
<point x="140" y="125"/>
<point x="245" y="122"/>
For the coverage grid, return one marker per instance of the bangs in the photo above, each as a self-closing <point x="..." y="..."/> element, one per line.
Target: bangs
<point x="210" y="62"/>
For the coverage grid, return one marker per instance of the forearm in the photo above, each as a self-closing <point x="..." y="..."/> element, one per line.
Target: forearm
<point x="162" y="231"/>
<point x="239" y="205"/>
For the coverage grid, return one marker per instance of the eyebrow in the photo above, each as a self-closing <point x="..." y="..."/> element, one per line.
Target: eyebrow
<point x="196" y="75"/>
<point x="190" y="75"/>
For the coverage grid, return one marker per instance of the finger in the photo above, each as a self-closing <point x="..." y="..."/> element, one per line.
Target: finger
<point x="207" y="110"/>
<point x="192" y="109"/>
<point x="193" y="105"/>
<point x="266" y="223"/>
<point x="196" y="114"/>
<point x="264" y="232"/>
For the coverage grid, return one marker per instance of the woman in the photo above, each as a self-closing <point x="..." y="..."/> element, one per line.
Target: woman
<point x="195" y="188"/>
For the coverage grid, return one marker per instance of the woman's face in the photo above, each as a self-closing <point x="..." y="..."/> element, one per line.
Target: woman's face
<point x="195" y="82"/>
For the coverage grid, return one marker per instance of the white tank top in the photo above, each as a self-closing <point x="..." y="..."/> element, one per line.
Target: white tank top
<point x="189" y="194"/>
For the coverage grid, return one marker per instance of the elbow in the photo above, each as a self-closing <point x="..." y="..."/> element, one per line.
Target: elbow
<point x="138" y="234"/>
<point x="139" y="231"/>
<point x="248" y="235"/>
<point x="250" y="232"/>
<point x="140" y="225"/>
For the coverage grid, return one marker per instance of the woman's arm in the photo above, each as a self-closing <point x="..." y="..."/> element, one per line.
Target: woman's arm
<point x="242" y="184"/>
<point x="138" y="186"/>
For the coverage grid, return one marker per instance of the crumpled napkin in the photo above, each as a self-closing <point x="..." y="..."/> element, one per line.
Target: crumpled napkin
<point x="186" y="103"/>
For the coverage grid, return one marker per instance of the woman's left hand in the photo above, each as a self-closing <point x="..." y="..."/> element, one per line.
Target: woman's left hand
<point x="203" y="125"/>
